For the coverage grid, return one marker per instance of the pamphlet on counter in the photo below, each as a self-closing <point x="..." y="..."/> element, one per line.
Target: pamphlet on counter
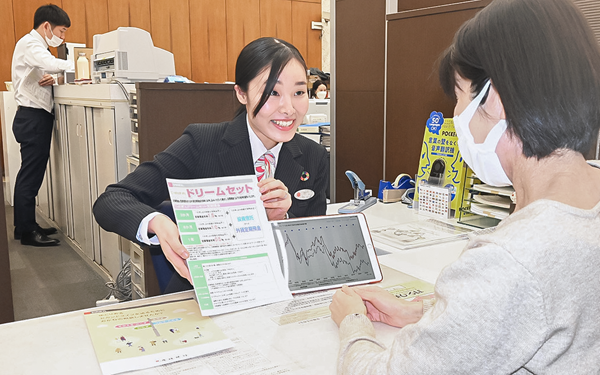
<point x="419" y="233"/>
<point x="424" y="233"/>
<point x="233" y="260"/>
<point x="127" y="339"/>
<point x="298" y="319"/>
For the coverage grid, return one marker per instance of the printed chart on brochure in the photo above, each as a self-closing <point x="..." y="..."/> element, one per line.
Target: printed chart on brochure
<point x="233" y="259"/>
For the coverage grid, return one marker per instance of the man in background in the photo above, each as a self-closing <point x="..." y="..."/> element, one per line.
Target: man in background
<point x="32" y="65"/>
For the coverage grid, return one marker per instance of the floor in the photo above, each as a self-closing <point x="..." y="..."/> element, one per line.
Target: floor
<point x="50" y="280"/>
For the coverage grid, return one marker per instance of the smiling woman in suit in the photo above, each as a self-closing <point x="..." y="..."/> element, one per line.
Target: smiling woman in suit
<point x="271" y="85"/>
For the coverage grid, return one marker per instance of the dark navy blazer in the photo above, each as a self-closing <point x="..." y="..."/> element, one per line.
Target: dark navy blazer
<point x="211" y="150"/>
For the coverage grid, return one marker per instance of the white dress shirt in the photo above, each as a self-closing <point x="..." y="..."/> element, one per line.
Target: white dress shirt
<point x="258" y="149"/>
<point x="31" y="51"/>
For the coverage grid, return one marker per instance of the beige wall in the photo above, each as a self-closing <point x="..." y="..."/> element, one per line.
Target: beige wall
<point x="326" y="36"/>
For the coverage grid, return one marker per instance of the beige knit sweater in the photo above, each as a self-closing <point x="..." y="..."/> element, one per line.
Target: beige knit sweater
<point x="525" y="299"/>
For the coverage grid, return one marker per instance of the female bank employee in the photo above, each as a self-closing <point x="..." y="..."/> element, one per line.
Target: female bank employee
<point x="523" y="300"/>
<point x="271" y="84"/>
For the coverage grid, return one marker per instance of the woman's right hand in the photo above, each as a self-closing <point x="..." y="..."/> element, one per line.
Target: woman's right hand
<point x="168" y="236"/>
<point x="382" y="306"/>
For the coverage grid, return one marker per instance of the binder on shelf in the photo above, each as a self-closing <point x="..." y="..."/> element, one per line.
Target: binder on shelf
<point x="318" y="132"/>
<point x="312" y="128"/>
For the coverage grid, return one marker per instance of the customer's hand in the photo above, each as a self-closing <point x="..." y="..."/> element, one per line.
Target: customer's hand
<point x="47" y="80"/>
<point x="275" y="197"/>
<point x="382" y="306"/>
<point x="168" y="236"/>
<point x="345" y="302"/>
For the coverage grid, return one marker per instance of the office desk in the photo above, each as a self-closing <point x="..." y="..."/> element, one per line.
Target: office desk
<point x="60" y="344"/>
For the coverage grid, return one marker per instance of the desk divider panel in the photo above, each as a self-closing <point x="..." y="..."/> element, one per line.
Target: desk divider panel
<point x="6" y="298"/>
<point x="164" y="111"/>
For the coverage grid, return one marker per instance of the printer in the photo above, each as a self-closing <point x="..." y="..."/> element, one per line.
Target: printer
<point x="128" y="54"/>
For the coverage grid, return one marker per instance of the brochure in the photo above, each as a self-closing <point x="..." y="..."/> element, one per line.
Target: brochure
<point x="419" y="233"/>
<point x="233" y="258"/>
<point x="127" y="339"/>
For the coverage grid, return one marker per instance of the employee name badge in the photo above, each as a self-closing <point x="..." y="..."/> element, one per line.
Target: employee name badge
<point x="304" y="194"/>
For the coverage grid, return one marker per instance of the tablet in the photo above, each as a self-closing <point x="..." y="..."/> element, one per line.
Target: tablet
<point x="324" y="252"/>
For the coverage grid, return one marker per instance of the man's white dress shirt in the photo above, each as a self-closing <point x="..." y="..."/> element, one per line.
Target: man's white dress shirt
<point x="31" y="51"/>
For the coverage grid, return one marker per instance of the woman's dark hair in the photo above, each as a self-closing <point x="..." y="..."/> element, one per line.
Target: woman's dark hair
<point x="51" y="13"/>
<point x="544" y="62"/>
<point x="315" y="86"/>
<point x="261" y="54"/>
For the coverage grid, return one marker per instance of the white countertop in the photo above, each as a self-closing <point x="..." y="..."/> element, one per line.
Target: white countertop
<point x="60" y="344"/>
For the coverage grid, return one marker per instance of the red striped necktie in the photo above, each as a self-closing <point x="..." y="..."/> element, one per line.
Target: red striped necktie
<point x="265" y="166"/>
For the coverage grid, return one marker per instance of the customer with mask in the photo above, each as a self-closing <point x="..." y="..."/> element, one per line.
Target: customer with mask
<point x="34" y="119"/>
<point x="522" y="300"/>
<point x="271" y="84"/>
<point x="319" y="90"/>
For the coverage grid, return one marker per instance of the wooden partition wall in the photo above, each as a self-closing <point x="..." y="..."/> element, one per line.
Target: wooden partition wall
<point x="359" y="96"/>
<point x="166" y="109"/>
<point x="413" y="88"/>
<point x="204" y="35"/>
<point x="416" y="36"/>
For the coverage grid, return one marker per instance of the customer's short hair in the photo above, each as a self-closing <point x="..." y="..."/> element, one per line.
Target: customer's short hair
<point x="544" y="62"/>
<point x="53" y="14"/>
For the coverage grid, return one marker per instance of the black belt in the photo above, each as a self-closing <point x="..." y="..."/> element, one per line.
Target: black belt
<point x="33" y="110"/>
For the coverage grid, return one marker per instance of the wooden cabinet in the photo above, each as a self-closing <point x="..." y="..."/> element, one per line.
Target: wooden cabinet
<point x="80" y="229"/>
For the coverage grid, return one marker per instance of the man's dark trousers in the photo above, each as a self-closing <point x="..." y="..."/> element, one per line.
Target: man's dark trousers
<point x="32" y="128"/>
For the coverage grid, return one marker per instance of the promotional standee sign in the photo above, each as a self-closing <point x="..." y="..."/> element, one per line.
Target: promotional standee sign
<point x="440" y="163"/>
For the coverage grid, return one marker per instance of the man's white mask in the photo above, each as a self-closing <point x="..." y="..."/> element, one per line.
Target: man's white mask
<point x="55" y="41"/>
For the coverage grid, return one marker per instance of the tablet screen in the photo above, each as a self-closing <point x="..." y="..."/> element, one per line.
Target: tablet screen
<point x="325" y="252"/>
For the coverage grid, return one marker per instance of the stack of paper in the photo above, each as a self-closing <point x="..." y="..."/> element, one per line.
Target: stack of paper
<point x="505" y="191"/>
<point x="489" y="211"/>
<point x="493" y="200"/>
<point x="319" y="132"/>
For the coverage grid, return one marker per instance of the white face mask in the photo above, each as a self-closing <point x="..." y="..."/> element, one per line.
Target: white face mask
<point x="481" y="157"/>
<point x="55" y="41"/>
<point x="321" y="94"/>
